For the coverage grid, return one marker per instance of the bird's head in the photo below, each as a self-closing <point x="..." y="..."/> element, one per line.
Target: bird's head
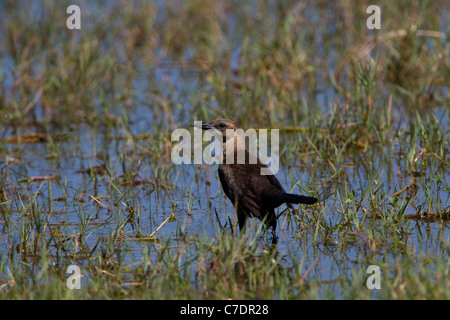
<point x="220" y="124"/>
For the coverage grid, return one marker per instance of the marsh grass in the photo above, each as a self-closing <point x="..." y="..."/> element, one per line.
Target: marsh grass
<point x="86" y="176"/>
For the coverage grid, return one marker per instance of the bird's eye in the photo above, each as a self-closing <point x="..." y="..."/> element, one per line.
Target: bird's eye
<point x="222" y="125"/>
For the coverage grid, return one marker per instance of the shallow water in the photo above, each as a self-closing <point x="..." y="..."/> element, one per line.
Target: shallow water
<point x="195" y="194"/>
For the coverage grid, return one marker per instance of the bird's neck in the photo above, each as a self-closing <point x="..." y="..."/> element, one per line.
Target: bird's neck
<point x="235" y="151"/>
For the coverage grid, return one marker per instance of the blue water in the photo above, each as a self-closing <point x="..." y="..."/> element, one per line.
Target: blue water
<point x="178" y="86"/>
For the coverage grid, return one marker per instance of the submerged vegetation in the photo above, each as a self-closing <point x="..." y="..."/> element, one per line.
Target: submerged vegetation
<point x="86" y="177"/>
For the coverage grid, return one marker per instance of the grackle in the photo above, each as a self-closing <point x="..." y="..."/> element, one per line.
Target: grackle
<point x="252" y="194"/>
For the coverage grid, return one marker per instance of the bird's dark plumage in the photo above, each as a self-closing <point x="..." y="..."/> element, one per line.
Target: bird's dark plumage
<point x="252" y="194"/>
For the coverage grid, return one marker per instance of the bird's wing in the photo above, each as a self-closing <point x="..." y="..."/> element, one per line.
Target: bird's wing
<point x="225" y="185"/>
<point x="240" y="190"/>
<point x="274" y="181"/>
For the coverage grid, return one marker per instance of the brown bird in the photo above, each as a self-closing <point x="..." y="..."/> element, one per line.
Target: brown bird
<point x="252" y="194"/>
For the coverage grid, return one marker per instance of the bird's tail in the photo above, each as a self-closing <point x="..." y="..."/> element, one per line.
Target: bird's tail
<point x="295" y="198"/>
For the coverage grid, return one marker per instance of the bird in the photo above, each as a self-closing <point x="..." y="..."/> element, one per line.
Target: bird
<point x="251" y="193"/>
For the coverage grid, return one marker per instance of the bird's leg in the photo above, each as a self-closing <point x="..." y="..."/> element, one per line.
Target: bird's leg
<point x="271" y="219"/>
<point x="241" y="220"/>
<point x="274" y="237"/>
<point x="273" y="224"/>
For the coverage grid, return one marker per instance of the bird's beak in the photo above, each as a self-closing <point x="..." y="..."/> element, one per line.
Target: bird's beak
<point x="205" y="126"/>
